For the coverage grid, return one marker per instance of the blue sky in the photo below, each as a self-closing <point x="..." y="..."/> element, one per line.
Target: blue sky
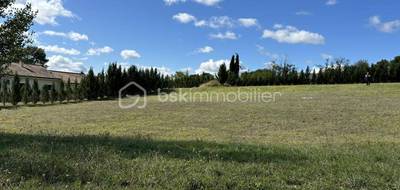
<point x="199" y="35"/>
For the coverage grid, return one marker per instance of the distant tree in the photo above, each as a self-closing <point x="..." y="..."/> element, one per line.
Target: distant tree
<point x="82" y="90"/>
<point x="91" y="85"/>
<point x="15" y="90"/>
<point x="68" y="90"/>
<point x="222" y="74"/>
<point x="237" y="65"/>
<point x="381" y="71"/>
<point x="302" y="78"/>
<point x="101" y="80"/>
<point x="44" y="95"/>
<point x="76" y="90"/>
<point x="232" y="65"/>
<point x="314" y="77"/>
<point x="35" y="92"/>
<point x="234" y="68"/>
<point x="26" y="92"/>
<point x="53" y="93"/>
<point x="114" y="77"/>
<point x="34" y="55"/>
<point x="4" y="92"/>
<point x="307" y="75"/>
<point x="61" y="92"/>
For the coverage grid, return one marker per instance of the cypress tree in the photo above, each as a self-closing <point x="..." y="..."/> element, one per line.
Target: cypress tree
<point x="44" y="95"/>
<point x="314" y="77"/>
<point x="222" y="74"/>
<point x="4" y="92"/>
<point x="61" y="92"/>
<point x="308" y="75"/>
<point x="102" y="86"/>
<point x="26" y="92"/>
<point x="232" y="65"/>
<point x="53" y="93"/>
<point x="68" y="92"/>
<point x="91" y="85"/>
<point x="237" y="65"/>
<point x="35" y="92"/>
<point x="76" y="90"/>
<point x="15" y="90"/>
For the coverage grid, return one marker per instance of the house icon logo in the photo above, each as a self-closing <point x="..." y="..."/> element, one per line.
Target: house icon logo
<point x="132" y="101"/>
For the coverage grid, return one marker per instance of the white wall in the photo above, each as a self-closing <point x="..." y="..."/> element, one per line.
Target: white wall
<point x="41" y="81"/>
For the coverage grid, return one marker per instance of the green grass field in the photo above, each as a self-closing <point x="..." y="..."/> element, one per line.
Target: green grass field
<point x="312" y="137"/>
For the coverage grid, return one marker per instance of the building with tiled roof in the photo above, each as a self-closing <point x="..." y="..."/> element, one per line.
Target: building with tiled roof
<point x="45" y="77"/>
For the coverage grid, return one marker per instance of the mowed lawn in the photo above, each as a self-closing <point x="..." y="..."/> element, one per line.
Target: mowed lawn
<point x="311" y="137"/>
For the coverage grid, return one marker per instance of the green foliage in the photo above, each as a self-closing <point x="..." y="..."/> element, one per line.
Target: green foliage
<point x="234" y="69"/>
<point x="53" y="93"/>
<point x="35" y="92"/>
<point x="34" y="55"/>
<point x="337" y="71"/>
<point x="44" y="95"/>
<point x="76" y="90"/>
<point x="15" y="90"/>
<point x="26" y="92"/>
<point x="114" y="79"/>
<point x="91" y="85"/>
<point x="4" y="92"/>
<point x="68" y="91"/>
<point x="184" y="80"/>
<point x="14" y="26"/>
<point x="61" y="92"/>
<point x="222" y="74"/>
<point x="102" y="88"/>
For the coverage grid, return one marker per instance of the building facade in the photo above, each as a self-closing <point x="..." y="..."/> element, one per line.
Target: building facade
<point x="46" y="78"/>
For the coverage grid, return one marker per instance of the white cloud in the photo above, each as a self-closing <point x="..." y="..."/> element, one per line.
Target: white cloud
<point x="303" y="13"/>
<point x="215" y="22"/>
<point x="77" y="37"/>
<point x="99" y="51"/>
<point x="220" y="22"/>
<point x="248" y="22"/>
<point x="292" y="35"/>
<point x="48" y="10"/>
<point x="326" y="56"/>
<point x="208" y="2"/>
<point x="387" y="27"/>
<point x="74" y="36"/>
<point x="203" y="2"/>
<point x="210" y="66"/>
<point x="225" y="36"/>
<point x="60" y="63"/>
<point x="172" y="2"/>
<point x="130" y="54"/>
<point x="60" y="50"/>
<point x="262" y="51"/>
<point x="206" y="49"/>
<point x="184" y="18"/>
<point x="331" y="2"/>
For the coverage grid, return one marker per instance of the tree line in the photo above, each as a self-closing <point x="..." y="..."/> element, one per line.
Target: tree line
<point x="337" y="71"/>
<point x="14" y="92"/>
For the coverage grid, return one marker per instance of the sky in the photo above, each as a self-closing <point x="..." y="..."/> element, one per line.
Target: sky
<point x="199" y="35"/>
